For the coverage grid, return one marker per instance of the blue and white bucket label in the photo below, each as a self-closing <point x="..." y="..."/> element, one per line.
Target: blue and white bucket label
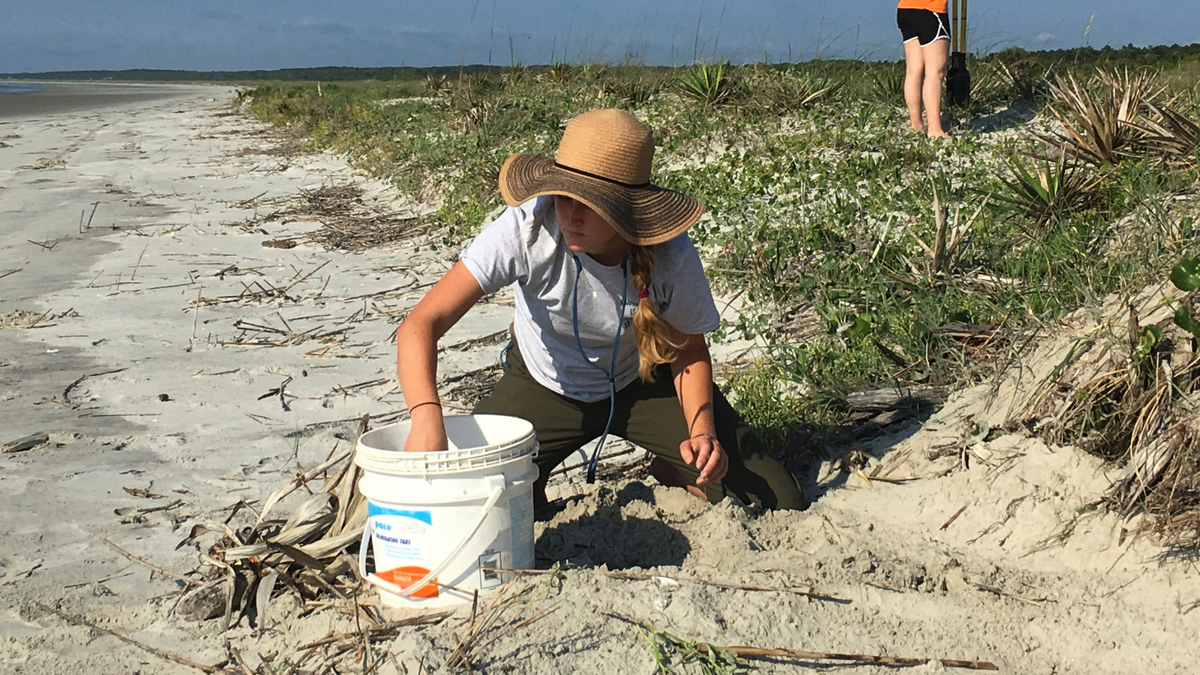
<point x="400" y="536"/>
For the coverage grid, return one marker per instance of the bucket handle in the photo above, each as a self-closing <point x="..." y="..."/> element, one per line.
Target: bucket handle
<point x="497" y="490"/>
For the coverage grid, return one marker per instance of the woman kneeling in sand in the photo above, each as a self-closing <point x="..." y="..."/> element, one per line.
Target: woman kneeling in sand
<point x="611" y="309"/>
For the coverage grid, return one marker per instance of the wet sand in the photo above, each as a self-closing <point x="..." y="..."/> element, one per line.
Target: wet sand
<point x="52" y="98"/>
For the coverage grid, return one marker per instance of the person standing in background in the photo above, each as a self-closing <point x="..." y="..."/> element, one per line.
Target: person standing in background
<point x="925" y="28"/>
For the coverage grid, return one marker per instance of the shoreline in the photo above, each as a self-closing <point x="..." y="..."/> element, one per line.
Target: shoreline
<point x="55" y="98"/>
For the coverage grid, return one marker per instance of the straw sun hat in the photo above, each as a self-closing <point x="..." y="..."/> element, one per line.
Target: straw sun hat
<point x="604" y="161"/>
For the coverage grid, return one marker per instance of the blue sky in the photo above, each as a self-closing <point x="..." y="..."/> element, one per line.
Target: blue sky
<point x="44" y="35"/>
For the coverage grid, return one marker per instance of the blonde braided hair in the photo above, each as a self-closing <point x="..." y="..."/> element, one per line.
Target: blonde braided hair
<point x="651" y="331"/>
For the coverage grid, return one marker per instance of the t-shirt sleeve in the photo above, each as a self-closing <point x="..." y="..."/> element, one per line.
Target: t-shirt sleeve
<point x="687" y="301"/>
<point x="497" y="257"/>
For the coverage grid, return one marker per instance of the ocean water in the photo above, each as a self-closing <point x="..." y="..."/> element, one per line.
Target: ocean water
<point x="18" y="88"/>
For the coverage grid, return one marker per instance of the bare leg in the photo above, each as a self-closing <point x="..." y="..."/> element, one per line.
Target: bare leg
<point x="936" y="56"/>
<point x="914" y="75"/>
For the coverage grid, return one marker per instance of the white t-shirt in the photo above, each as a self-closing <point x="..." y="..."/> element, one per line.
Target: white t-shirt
<point x="524" y="247"/>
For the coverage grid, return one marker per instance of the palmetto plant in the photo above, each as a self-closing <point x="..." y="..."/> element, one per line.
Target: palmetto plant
<point x="1172" y="135"/>
<point x="987" y="83"/>
<point x="1025" y="85"/>
<point x="560" y="72"/>
<point x="471" y="106"/>
<point x="1101" y="125"/>
<point x="708" y="83"/>
<point x="887" y="85"/>
<point x="790" y="93"/>
<point x="513" y="75"/>
<point x="1048" y="190"/>
<point x="434" y="85"/>
<point x="949" y="239"/>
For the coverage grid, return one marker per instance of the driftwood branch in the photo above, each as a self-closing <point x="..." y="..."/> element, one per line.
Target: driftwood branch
<point x="25" y="443"/>
<point x="876" y="400"/>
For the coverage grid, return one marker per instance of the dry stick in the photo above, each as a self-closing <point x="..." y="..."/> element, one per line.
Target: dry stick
<point x="89" y="222"/>
<point x="245" y="203"/>
<point x="306" y="276"/>
<point x="42" y="317"/>
<point x="420" y="620"/>
<point x="629" y="576"/>
<point x="4" y="274"/>
<point x="237" y="656"/>
<point x="67" y="391"/>
<point x="166" y="507"/>
<point x="159" y="288"/>
<point x="146" y="648"/>
<point x="738" y="587"/>
<point x="511" y="629"/>
<point x="858" y="658"/>
<point x="741" y="650"/>
<point x="462" y="651"/>
<point x="120" y="573"/>
<point x="138" y="263"/>
<point x="196" y="312"/>
<point x="954" y="517"/>
<point x="143" y="563"/>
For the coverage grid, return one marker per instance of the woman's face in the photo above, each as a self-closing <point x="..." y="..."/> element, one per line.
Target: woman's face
<point x="586" y="232"/>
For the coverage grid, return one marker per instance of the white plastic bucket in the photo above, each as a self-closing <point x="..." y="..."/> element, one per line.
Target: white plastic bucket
<point x="435" y="519"/>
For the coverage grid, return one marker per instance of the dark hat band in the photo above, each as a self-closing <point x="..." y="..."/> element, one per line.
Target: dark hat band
<point x="606" y="179"/>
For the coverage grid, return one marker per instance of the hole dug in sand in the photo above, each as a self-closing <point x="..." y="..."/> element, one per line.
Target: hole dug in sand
<point x="615" y="529"/>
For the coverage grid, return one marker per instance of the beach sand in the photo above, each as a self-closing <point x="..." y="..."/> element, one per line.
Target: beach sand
<point x="133" y="282"/>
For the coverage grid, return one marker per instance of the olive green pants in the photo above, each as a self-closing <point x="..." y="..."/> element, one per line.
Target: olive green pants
<point x="649" y="415"/>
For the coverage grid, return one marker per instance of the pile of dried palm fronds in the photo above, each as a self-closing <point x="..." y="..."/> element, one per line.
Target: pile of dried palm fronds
<point x="306" y="553"/>
<point x="348" y="222"/>
<point x="1130" y="393"/>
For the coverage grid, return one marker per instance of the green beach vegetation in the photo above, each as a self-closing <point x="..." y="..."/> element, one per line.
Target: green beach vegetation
<point x="859" y="255"/>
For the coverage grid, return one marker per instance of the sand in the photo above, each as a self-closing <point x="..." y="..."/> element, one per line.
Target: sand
<point x="991" y="552"/>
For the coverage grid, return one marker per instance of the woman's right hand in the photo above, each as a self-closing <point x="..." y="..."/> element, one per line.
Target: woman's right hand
<point x="428" y="430"/>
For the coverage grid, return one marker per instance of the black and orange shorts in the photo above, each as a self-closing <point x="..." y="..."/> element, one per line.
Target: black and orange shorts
<point x="923" y="25"/>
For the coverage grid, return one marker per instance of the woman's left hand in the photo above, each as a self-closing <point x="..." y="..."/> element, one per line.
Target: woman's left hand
<point x="704" y="451"/>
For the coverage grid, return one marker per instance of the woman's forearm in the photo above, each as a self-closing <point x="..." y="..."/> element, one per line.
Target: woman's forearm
<point x="416" y="349"/>
<point x="416" y="362"/>
<point x="692" y="371"/>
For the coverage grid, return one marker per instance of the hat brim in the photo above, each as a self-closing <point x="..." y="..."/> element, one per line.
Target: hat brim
<point x="645" y="216"/>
